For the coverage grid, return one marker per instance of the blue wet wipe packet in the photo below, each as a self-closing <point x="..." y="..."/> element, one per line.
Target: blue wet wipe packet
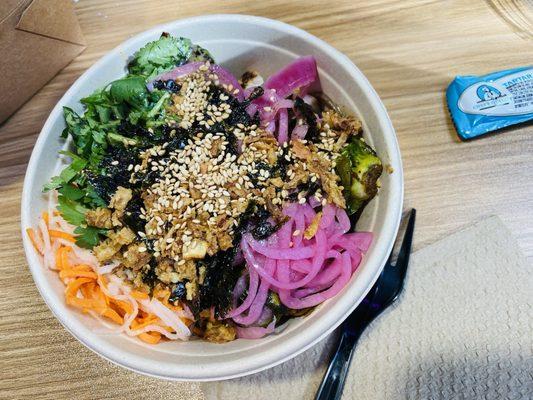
<point x="482" y="104"/>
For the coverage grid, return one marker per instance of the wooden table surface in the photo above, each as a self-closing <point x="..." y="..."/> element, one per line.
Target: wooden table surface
<point x="409" y="49"/>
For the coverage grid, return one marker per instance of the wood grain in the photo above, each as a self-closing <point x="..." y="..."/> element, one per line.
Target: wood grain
<point x="409" y="49"/>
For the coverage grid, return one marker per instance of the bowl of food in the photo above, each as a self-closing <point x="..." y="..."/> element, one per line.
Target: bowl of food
<point x="211" y="198"/>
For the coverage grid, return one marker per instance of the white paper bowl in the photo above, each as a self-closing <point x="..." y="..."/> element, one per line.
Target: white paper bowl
<point x="238" y="42"/>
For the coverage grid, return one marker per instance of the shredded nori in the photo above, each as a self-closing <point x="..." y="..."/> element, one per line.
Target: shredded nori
<point x="261" y="165"/>
<point x="112" y="176"/>
<point x="264" y="230"/>
<point x="261" y="227"/>
<point x="132" y="213"/>
<point x="307" y="113"/>
<point x="178" y="140"/>
<point x="126" y="128"/>
<point x="292" y="120"/>
<point x="239" y="115"/>
<point x="179" y="291"/>
<point x="221" y="275"/>
<point x="220" y="279"/>
<point x="169" y="85"/>
<point x="308" y="188"/>
<point x="257" y="92"/>
<point x="282" y="164"/>
<point x="232" y="146"/>
<point x="149" y="276"/>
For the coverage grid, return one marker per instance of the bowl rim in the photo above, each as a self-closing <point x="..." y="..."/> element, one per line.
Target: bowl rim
<point x="282" y="351"/>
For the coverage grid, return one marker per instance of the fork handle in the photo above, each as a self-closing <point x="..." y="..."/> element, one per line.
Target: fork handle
<point x="333" y="382"/>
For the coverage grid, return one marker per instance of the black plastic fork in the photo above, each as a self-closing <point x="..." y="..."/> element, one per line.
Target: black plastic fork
<point x="384" y="292"/>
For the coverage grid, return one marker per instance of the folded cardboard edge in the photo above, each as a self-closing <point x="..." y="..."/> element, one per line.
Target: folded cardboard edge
<point x="54" y="19"/>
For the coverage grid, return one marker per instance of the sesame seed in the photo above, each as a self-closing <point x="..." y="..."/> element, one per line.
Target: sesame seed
<point x="203" y="185"/>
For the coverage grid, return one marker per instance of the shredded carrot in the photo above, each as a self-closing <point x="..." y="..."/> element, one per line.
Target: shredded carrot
<point x="97" y="293"/>
<point x="85" y="304"/>
<point x="46" y="218"/>
<point x="102" y="282"/>
<point x="59" y="257"/>
<point x="72" y="298"/>
<point x="139" y="295"/>
<point x="76" y="273"/>
<point x="83" y="267"/>
<point x="61" y="235"/>
<point x="73" y="287"/>
<point x="125" y="306"/>
<point x="36" y="244"/>
<point x="62" y="261"/>
<point x="87" y="290"/>
<point x="142" y="322"/>
<point x="84" y="288"/>
<point x="161" y="293"/>
<point x="64" y="257"/>
<point x="150" y="337"/>
<point x="113" y="315"/>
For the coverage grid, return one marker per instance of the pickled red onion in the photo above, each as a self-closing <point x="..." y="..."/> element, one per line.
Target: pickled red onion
<point x="224" y="76"/>
<point x="304" y="272"/>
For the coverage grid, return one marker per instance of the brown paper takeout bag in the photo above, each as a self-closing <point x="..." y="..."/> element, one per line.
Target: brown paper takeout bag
<point x="37" y="39"/>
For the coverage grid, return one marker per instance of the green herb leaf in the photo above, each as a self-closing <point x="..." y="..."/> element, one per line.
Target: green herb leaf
<point x="115" y="116"/>
<point x="88" y="236"/>
<point x="118" y="139"/>
<point x="72" y="212"/>
<point x="80" y="131"/>
<point x="67" y="174"/>
<point x="92" y="198"/>
<point x="131" y="90"/>
<point x="158" y="106"/>
<point x="71" y="192"/>
<point x="54" y="183"/>
<point x="75" y="167"/>
<point x="160" y="55"/>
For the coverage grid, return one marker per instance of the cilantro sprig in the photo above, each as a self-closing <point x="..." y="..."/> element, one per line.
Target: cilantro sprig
<point x="100" y="130"/>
